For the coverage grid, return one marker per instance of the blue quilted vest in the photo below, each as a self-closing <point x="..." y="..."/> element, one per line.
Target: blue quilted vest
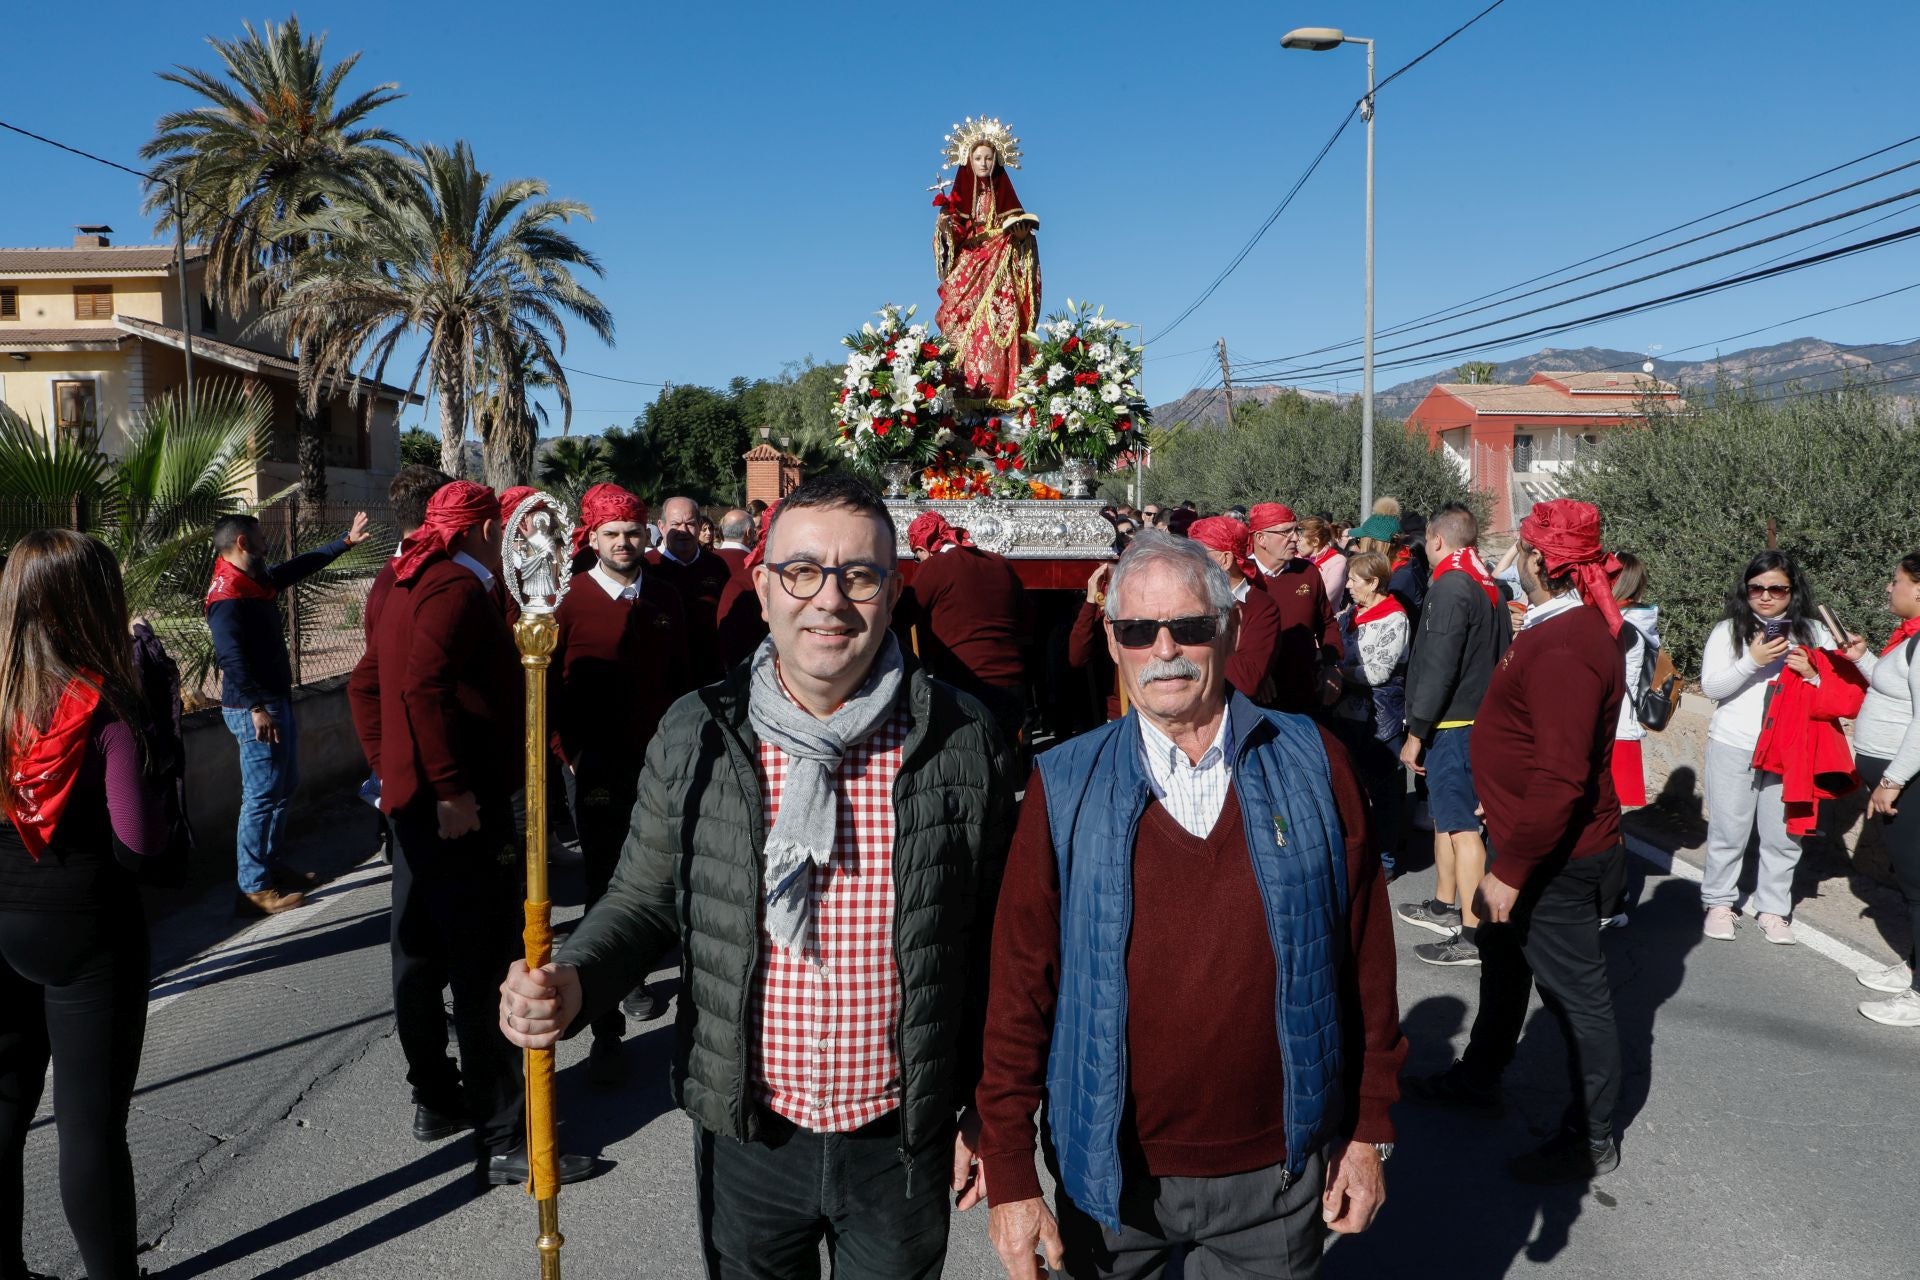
<point x="1097" y="788"/>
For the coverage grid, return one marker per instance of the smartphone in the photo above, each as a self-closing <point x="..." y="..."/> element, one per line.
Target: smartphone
<point x="1831" y="621"/>
<point x="1774" y="627"/>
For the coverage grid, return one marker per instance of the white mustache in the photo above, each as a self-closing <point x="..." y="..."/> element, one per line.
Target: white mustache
<point x="1171" y="669"/>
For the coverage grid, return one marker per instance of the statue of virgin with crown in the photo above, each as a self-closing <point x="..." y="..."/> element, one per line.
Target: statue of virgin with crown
<point x="983" y="247"/>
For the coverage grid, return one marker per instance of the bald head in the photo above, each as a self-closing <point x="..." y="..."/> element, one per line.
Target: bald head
<point x="736" y="525"/>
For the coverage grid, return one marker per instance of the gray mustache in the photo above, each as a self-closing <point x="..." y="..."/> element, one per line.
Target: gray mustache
<point x="1171" y="669"/>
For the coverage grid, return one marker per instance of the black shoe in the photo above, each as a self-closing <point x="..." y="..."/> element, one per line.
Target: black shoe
<point x="430" y="1124"/>
<point x="1567" y="1158"/>
<point x="1456" y="952"/>
<point x="509" y="1170"/>
<point x="640" y="1005"/>
<point x="605" y="1065"/>
<point x="1453" y="1087"/>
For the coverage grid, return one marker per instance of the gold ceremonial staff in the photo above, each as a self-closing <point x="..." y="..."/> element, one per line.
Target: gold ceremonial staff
<point x="536" y="573"/>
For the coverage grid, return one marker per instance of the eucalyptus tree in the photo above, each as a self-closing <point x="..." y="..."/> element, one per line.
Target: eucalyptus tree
<point x="271" y="146"/>
<point x="482" y="274"/>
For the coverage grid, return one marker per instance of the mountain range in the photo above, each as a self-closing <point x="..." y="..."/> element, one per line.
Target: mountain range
<point x="1800" y="364"/>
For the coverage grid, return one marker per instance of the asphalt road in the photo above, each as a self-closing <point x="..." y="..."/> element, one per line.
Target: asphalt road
<point x="1771" y="1131"/>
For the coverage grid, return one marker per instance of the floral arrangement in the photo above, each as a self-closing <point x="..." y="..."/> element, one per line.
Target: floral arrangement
<point x="1078" y="398"/>
<point x="897" y="398"/>
<point x="971" y="481"/>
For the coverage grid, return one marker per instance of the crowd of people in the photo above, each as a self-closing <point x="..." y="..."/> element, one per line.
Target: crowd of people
<point x="926" y="948"/>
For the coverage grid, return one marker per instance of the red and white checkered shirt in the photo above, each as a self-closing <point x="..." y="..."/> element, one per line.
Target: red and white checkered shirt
<point x="825" y="1056"/>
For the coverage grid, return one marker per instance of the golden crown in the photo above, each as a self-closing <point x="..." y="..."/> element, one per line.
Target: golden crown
<point x="989" y="129"/>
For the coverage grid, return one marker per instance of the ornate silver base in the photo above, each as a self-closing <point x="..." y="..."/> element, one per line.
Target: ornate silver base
<point x="1021" y="529"/>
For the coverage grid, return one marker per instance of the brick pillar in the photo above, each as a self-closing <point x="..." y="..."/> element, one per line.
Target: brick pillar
<point x="766" y="479"/>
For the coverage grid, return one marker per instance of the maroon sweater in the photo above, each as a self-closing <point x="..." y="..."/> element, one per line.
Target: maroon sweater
<point x="617" y="668"/>
<point x="1543" y="745"/>
<point x="1251" y="667"/>
<point x="741" y="624"/>
<point x="1309" y="634"/>
<point x="972" y="613"/>
<point x="700" y="584"/>
<point x="1203" y="1058"/>
<point x="1087" y="647"/>
<point x="438" y="697"/>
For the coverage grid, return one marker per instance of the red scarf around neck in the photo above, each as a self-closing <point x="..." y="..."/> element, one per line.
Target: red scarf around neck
<point x="231" y="582"/>
<point x="1466" y="560"/>
<point x="47" y="764"/>
<point x="1907" y="629"/>
<point x="1384" y="607"/>
<point x="1324" y="554"/>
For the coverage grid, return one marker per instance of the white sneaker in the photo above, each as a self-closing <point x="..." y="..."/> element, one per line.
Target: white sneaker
<point x="1719" y="924"/>
<point x="1776" y="928"/>
<point x="1893" y="979"/>
<point x="1901" y="1011"/>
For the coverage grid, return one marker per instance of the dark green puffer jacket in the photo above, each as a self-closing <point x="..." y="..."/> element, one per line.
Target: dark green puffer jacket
<point x="691" y="872"/>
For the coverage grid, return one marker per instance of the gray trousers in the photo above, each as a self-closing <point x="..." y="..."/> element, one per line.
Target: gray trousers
<point x="1737" y="797"/>
<point x="1244" y="1226"/>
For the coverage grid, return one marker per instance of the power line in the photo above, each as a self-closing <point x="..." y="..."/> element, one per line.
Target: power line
<point x="607" y="377"/>
<point x="1457" y="309"/>
<point x="1301" y="181"/>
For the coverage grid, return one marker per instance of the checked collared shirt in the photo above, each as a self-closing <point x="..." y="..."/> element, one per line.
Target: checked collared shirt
<point x="1193" y="793"/>
<point x="824" y="1050"/>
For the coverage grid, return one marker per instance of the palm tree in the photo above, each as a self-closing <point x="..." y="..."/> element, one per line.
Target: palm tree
<point x="508" y="421"/>
<point x="574" y="466"/>
<point x="477" y="270"/>
<point x="272" y="146"/>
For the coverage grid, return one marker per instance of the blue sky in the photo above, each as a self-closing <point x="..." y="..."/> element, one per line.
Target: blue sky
<point x="757" y="171"/>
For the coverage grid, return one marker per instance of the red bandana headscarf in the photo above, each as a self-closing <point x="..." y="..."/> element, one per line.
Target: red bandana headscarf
<point x="759" y="553"/>
<point x="231" y="582"/>
<point x="456" y="508"/>
<point x="930" y="531"/>
<point x="46" y="765"/>
<point x="1224" y="533"/>
<point x="1466" y="560"/>
<point x="513" y="497"/>
<point x="1567" y="536"/>
<point x="1266" y="515"/>
<point x="604" y="504"/>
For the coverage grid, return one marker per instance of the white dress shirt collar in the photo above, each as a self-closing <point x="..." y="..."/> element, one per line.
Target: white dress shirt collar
<point x="615" y="589"/>
<point x="1193" y="793"/>
<point x="478" y="570"/>
<point x="1539" y="613"/>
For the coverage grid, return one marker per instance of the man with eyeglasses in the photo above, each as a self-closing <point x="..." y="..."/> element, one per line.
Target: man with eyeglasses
<point x="1239" y="1120"/>
<point x="700" y="575"/>
<point x="824" y="832"/>
<point x="1307" y="655"/>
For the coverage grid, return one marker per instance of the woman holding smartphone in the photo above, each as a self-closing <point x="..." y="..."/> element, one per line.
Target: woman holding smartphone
<point x="1769" y="618"/>
<point x="1886" y="744"/>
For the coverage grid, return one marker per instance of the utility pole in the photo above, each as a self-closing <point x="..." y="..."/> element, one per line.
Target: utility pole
<point x="1226" y="379"/>
<point x="180" y="266"/>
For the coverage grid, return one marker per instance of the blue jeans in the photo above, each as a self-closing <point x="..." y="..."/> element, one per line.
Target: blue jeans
<point x="267" y="778"/>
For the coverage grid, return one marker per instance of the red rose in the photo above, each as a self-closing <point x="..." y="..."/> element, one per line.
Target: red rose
<point x="1121" y="425"/>
<point x="874" y="393"/>
<point x="1001" y="464"/>
<point x="1058" y="422"/>
<point x="993" y="423"/>
<point x="930" y="350"/>
<point x="883" y="426"/>
<point x="1071" y="345"/>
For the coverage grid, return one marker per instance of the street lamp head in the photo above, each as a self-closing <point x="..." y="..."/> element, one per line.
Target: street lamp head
<point x="1317" y="39"/>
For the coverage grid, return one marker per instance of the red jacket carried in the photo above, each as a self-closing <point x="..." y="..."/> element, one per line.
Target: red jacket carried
<point x="1801" y="739"/>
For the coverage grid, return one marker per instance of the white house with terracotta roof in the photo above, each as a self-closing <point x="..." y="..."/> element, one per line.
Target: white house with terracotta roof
<point x="91" y="333"/>
<point x="1510" y="441"/>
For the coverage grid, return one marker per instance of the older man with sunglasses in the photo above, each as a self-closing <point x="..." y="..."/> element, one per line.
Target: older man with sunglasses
<point x="824" y="833"/>
<point x="1227" y="1100"/>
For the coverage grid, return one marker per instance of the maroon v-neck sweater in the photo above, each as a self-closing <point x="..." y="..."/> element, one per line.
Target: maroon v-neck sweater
<point x="1204" y="1072"/>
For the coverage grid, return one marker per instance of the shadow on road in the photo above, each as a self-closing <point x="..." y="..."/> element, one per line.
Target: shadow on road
<point x="1449" y="1196"/>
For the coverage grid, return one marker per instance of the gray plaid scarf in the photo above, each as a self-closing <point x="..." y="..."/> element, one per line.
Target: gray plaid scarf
<point x="809" y="813"/>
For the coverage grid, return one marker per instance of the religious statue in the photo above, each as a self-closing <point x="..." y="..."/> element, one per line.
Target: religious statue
<point x="989" y="265"/>
<point x="536" y="561"/>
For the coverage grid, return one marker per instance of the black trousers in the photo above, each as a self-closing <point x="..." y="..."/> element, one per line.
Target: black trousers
<point x="1902" y="834"/>
<point x="73" y="989"/>
<point x="602" y="790"/>
<point x="456" y="923"/>
<point x="765" y="1206"/>
<point x="1553" y="938"/>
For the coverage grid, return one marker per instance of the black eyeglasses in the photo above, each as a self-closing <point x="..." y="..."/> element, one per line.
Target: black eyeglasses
<point x="1140" y="633"/>
<point x="1766" y="590"/>
<point x="858" y="581"/>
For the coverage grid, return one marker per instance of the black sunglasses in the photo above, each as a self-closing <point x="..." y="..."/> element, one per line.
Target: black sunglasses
<point x="859" y="581"/>
<point x="1140" y="633"/>
<point x="1767" y="590"/>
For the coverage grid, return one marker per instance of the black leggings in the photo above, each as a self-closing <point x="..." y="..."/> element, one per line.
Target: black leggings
<point x="1902" y="834"/>
<point x="73" y="989"/>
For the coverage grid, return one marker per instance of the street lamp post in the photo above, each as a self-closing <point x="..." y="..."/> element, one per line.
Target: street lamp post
<point x="1318" y="40"/>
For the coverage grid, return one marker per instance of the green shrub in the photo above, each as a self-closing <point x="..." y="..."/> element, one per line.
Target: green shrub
<point x="1305" y="453"/>
<point x="1692" y="495"/>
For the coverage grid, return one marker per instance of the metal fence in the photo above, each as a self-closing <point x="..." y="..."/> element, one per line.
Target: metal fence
<point x="322" y="616"/>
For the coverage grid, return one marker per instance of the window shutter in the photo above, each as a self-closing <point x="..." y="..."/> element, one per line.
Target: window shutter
<point x="93" y="302"/>
<point x="9" y="304"/>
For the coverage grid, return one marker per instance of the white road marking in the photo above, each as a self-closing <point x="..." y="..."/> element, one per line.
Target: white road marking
<point x="1809" y="937"/>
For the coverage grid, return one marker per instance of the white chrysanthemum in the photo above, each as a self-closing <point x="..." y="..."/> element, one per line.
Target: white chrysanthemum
<point x="1059" y="405"/>
<point x="1110" y="392"/>
<point x="917" y="332"/>
<point x="1075" y="421"/>
<point x="1099" y="351"/>
<point x="1083" y="397"/>
<point x="1056" y="373"/>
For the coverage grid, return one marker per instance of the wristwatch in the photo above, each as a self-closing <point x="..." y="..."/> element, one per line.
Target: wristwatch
<point x="1384" y="1150"/>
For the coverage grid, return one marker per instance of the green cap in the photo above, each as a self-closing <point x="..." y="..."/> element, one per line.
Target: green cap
<point x="1379" y="527"/>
